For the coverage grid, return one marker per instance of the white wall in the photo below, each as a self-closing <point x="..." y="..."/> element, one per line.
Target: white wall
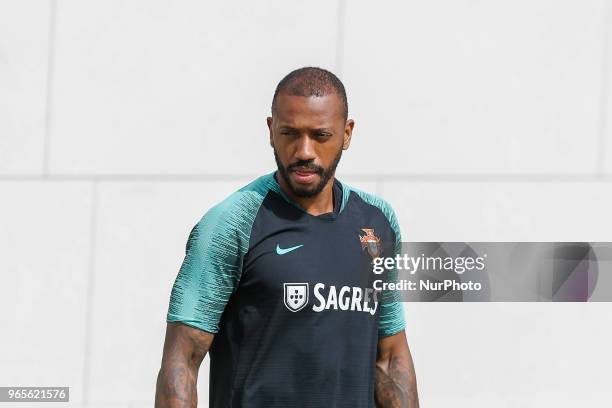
<point x="121" y="122"/>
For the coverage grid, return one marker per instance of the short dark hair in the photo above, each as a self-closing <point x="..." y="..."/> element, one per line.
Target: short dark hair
<point x="311" y="81"/>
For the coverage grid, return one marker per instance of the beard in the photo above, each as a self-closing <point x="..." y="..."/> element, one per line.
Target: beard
<point x="325" y="174"/>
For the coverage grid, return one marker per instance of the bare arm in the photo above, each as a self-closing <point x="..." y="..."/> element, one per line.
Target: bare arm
<point x="184" y="350"/>
<point x="395" y="382"/>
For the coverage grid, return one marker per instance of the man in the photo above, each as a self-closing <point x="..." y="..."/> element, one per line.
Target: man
<point x="273" y="284"/>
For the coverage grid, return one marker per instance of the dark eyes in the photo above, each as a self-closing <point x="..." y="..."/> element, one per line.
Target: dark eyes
<point x="322" y="134"/>
<point x="318" y="135"/>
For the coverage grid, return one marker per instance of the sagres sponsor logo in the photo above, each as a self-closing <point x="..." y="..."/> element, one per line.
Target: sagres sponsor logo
<point x="345" y="298"/>
<point x="296" y="296"/>
<point x="348" y="298"/>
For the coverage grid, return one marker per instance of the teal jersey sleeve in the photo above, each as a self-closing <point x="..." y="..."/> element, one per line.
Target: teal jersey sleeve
<point x="391" y="308"/>
<point x="212" y="266"/>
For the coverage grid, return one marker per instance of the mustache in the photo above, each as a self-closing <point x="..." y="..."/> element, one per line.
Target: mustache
<point x="305" y="165"/>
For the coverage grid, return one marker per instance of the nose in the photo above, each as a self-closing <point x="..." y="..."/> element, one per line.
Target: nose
<point x="304" y="149"/>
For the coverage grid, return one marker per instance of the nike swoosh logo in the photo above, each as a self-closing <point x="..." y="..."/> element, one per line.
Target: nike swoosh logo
<point x="283" y="251"/>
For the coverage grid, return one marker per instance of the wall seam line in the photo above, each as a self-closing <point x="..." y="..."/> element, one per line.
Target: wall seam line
<point x="340" y="38"/>
<point x="49" y="86"/>
<point x="604" y="97"/>
<point x="90" y="292"/>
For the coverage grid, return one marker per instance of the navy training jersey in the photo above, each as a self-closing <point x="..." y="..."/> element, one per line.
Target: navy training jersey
<point x="293" y="309"/>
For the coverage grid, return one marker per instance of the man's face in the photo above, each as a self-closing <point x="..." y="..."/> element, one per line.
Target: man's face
<point x="308" y="134"/>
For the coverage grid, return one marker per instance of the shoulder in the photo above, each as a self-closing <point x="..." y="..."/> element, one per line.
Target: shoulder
<point x="244" y="202"/>
<point x="236" y="213"/>
<point x="378" y="202"/>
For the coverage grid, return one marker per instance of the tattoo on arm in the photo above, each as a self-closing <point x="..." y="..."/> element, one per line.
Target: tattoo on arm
<point x="184" y="351"/>
<point x="395" y="383"/>
<point x="175" y="387"/>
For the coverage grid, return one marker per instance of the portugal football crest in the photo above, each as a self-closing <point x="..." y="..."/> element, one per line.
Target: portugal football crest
<point x="370" y="242"/>
<point x="296" y="296"/>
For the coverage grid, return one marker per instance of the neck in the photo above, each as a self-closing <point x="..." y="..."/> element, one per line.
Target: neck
<point x="320" y="204"/>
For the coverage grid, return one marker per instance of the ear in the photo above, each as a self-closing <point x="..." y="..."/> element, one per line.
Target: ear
<point x="348" y="133"/>
<point x="269" y="120"/>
